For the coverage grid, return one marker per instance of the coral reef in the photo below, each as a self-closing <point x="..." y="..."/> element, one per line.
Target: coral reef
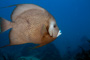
<point x="28" y="58"/>
<point x="25" y="52"/>
<point x="84" y="55"/>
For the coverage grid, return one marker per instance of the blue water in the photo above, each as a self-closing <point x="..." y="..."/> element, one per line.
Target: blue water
<point x="72" y="17"/>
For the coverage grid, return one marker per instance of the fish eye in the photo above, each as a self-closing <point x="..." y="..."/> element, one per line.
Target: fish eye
<point x="54" y="26"/>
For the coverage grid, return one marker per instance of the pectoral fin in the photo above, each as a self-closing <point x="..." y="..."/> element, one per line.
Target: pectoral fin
<point x="43" y="30"/>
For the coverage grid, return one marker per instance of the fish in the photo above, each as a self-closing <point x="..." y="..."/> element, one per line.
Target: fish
<point x="30" y="24"/>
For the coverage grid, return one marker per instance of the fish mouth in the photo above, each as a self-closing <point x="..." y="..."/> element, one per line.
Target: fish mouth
<point x="59" y="33"/>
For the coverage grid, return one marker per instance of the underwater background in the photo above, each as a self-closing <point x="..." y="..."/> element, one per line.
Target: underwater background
<point x="72" y="17"/>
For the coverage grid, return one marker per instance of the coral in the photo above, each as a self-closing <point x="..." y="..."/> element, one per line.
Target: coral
<point x="25" y="52"/>
<point x="84" y="55"/>
<point x="28" y="58"/>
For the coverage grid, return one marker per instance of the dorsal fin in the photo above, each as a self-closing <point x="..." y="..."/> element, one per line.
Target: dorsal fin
<point x="20" y="8"/>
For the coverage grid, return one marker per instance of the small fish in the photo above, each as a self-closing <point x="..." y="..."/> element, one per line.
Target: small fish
<point x="30" y="24"/>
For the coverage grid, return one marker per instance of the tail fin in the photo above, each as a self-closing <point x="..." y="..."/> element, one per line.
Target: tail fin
<point x="5" y="24"/>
